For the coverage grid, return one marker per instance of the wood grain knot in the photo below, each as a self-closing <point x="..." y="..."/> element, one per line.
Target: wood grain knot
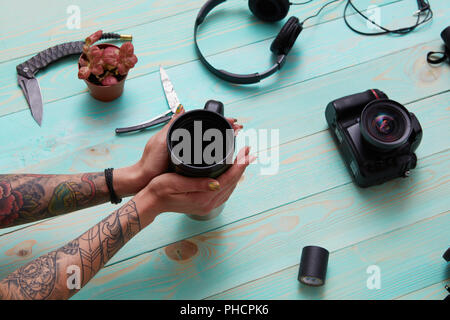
<point x="23" y="249"/>
<point x="181" y="250"/>
<point x="98" y="151"/>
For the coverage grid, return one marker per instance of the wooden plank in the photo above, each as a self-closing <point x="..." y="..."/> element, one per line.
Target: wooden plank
<point x="406" y="75"/>
<point x="37" y="25"/>
<point x="173" y="39"/>
<point x="301" y="163"/>
<point x="410" y="258"/>
<point x="172" y="45"/>
<point x="434" y="292"/>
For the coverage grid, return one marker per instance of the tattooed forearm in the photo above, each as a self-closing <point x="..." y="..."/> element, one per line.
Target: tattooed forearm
<point x="25" y="198"/>
<point x="46" y="276"/>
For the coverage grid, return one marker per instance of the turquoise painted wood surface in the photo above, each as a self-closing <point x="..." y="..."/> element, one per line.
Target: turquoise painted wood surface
<point x="269" y="218"/>
<point x="174" y="46"/>
<point x="296" y="171"/>
<point x="434" y="292"/>
<point x="271" y="241"/>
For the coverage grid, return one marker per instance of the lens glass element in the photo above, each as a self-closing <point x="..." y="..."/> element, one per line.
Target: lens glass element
<point x="384" y="123"/>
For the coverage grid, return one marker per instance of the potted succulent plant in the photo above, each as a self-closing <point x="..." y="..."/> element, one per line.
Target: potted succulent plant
<point x="104" y="67"/>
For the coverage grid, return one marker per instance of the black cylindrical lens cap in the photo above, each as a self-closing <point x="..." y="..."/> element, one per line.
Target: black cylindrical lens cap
<point x="313" y="266"/>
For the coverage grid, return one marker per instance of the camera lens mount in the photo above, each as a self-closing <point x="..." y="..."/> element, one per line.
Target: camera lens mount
<point x="385" y="124"/>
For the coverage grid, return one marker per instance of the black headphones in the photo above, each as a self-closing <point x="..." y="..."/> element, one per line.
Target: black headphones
<point x="266" y="10"/>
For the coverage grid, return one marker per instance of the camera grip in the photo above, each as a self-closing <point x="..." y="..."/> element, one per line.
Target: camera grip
<point x="357" y="100"/>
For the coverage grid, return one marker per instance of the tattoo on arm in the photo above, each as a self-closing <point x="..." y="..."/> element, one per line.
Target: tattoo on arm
<point x="25" y="198"/>
<point x="46" y="276"/>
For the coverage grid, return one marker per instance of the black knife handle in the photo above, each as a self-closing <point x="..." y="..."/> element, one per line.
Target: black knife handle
<point x="144" y="125"/>
<point x="30" y="67"/>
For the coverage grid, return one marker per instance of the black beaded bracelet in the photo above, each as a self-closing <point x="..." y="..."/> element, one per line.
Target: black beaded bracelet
<point x="109" y="183"/>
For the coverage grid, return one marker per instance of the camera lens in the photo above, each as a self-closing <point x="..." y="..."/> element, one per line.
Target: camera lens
<point x="385" y="124"/>
<point x="386" y="127"/>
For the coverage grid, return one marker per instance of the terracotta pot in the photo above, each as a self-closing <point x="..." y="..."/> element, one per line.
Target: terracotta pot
<point x="105" y="93"/>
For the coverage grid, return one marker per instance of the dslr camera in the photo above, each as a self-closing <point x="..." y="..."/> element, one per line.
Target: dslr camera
<point x="376" y="136"/>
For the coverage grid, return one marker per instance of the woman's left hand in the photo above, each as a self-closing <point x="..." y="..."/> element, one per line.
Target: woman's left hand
<point x="155" y="158"/>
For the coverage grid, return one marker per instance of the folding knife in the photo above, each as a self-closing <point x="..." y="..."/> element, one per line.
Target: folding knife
<point x="27" y="70"/>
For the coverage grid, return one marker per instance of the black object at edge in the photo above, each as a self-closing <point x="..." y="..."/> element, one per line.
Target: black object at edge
<point x="109" y="183"/>
<point x="445" y="35"/>
<point x="446" y="255"/>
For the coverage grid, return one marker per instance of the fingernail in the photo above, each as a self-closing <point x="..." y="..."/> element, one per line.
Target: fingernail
<point x="214" y="186"/>
<point x="234" y="120"/>
<point x="179" y="109"/>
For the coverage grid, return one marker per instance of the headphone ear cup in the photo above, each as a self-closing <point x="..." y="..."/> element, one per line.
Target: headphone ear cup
<point x="269" y="10"/>
<point x="285" y="39"/>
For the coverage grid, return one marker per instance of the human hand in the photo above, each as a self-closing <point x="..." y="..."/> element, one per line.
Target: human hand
<point x="171" y="192"/>
<point x="154" y="161"/>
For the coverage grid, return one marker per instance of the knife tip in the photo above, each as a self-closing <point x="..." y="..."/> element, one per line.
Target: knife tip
<point x="38" y="121"/>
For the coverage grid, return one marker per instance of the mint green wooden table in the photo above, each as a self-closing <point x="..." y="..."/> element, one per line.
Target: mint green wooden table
<point x="253" y="249"/>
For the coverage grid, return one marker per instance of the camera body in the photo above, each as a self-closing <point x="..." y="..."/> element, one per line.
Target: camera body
<point x="376" y="136"/>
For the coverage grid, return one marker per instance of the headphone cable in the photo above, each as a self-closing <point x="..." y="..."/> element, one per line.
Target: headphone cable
<point x="400" y="31"/>
<point x="319" y="11"/>
<point x="423" y="7"/>
<point x="299" y="3"/>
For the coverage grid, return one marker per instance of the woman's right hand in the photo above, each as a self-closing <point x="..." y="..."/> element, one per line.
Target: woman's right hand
<point x="171" y="192"/>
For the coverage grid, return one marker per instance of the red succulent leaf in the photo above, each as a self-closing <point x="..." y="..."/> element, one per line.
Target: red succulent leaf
<point x="83" y="62"/>
<point x="111" y="59"/>
<point x="84" y="73"/>
<point x="109" y="81"/>
<point x="94" y="52"/>
<point x="122" y="69"/>
<point x="95" y="57"/>
<point x="97" y="69"/>
<point x="130" y="61"/>
<point x="94" y="37"/>
<point x="127" y="49"/>
<point x="127" y="58"/>
<point x="111" y="56"/>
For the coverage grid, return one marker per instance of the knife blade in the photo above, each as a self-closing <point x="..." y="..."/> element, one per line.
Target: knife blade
<point x="171" y="96"/>
<point x="32" y="92"/>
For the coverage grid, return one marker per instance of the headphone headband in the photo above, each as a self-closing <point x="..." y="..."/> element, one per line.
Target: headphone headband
<point x="225" y="75"/>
